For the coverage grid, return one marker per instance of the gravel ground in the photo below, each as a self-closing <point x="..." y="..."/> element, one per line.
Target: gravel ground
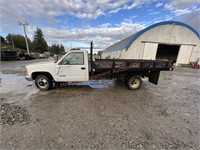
<point x="11" y="115"/>
<point x="101" y="115"/>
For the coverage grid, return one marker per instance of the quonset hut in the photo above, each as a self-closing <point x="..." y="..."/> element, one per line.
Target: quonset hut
<point x="169" y="40"/>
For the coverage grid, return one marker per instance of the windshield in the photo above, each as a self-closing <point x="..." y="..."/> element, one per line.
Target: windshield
<point x="73" y="58"/>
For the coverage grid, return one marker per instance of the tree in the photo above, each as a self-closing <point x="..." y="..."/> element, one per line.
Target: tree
<point x="8" y="38"/>
<point x="39" y="43"/>
<point x="62" y="49"/>
<point x="19" y="41"/>
<point x="99" y="53"/>
<point x="56" y="49"/>
<point x="3" y="41"/>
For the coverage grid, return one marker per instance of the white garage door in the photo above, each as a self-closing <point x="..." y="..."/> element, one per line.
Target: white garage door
<point x="150" y="50"/>
<point x="184" y="54"/>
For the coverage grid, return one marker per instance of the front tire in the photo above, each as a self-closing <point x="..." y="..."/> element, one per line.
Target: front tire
<point x="133" y="83"/>
<point x="43" y="83"/>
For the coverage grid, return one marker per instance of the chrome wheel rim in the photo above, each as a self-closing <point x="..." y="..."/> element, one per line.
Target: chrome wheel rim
<point x="42" y="83"/>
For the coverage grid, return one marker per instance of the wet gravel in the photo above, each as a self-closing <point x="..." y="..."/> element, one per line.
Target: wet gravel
<point x="103" y="114"/>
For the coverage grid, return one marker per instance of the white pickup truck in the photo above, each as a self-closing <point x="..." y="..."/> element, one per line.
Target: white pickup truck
<point x="75" y="66"/>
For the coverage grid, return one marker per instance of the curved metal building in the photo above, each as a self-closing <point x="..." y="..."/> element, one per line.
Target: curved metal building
<point x="169" y="40"/>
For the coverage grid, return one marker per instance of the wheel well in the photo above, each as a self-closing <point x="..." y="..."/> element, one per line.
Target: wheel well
<point x="131" y="75"/>
<point x="47" y="74"/>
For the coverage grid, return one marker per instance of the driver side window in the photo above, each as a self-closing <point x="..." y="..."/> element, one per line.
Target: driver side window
<point x="74" y="58"/>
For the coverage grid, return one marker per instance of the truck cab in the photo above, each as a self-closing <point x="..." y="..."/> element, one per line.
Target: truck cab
<point x="72" y="67"/>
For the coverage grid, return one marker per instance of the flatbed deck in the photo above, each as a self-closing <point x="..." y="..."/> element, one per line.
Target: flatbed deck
<point x="122" y="68"/>
<point x="132" y="64"/>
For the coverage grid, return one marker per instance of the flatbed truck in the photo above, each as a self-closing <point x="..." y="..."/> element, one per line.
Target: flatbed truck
<point x="75" y="66"/>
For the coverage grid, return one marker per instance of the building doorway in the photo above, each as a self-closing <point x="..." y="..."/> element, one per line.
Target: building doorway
<point x="167" y="52"/>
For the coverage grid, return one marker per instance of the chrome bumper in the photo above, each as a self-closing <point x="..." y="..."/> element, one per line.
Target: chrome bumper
<point x="28" y="78"/>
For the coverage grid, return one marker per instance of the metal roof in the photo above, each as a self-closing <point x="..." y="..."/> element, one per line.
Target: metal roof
<point x="126" y="43"/>
<point x="121" y="44"/>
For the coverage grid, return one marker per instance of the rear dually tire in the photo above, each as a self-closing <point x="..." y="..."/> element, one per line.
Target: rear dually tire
<point x="133" y="83"/>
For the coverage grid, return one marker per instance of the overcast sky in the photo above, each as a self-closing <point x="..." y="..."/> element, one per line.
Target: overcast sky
<point x="75" y="23"/>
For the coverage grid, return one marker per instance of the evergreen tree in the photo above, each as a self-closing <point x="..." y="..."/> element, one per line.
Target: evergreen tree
<point x="56" y="49"/>
<point x="8" y="38"/>
<point x="3" y="41"/>
<point x="62" y="49"/>
<point x="39" y="43"/>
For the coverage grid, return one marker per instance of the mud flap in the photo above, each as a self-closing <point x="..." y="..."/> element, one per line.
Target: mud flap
<point x="153" y="77"/>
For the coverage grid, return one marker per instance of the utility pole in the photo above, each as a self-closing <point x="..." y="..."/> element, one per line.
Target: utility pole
<point x="13" y="45"/>
<point x="24" y="26"/>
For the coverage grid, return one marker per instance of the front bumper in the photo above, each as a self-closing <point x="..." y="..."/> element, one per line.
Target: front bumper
<point x="28" y="78"/>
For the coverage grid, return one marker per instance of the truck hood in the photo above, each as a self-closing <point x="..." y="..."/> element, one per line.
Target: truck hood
<point x="41" y="63"/>
<point x="48" y="66"/>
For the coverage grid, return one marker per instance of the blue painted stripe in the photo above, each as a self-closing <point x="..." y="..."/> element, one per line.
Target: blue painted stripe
<point x="159" y="24"/>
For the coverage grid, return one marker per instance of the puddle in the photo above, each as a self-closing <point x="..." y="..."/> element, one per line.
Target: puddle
<point x="93" y="84"/>
<point x="12" y="85"/>
<point x="15" y="84"/>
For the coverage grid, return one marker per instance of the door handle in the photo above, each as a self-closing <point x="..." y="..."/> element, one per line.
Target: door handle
<point x="82" y="68"/>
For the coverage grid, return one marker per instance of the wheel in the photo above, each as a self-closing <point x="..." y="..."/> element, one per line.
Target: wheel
<point x="133" y="83"/>
<point x="43" y="83"/>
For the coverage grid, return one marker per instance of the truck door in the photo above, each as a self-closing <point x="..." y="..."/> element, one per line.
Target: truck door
<point x="73" y="67"/>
